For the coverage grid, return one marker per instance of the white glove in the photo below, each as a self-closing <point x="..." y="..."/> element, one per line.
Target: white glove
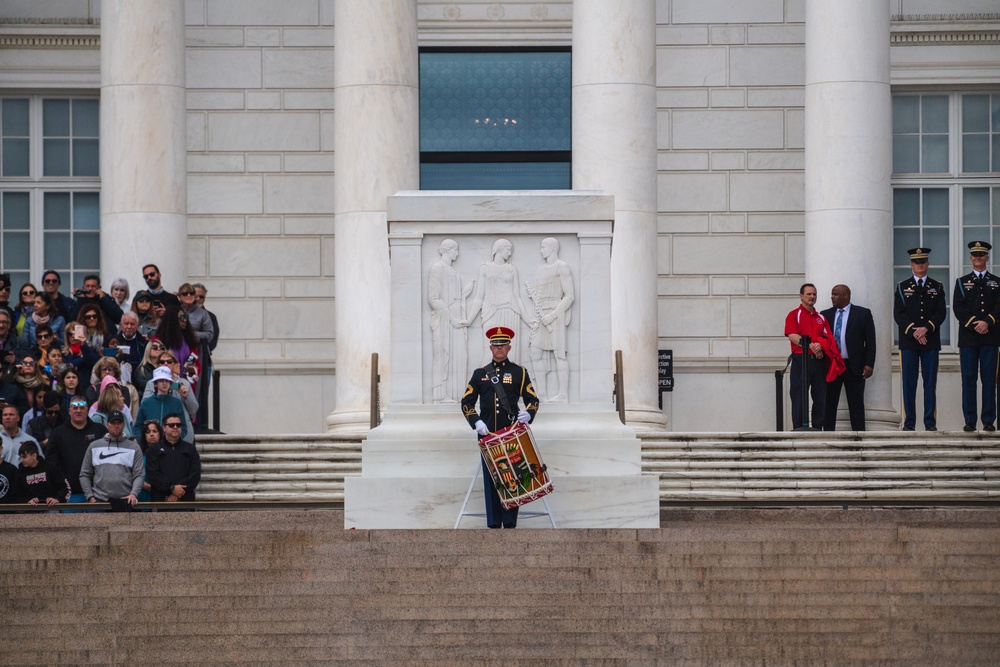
<point x="481" y="428"/>
<point x="523" y="417"/>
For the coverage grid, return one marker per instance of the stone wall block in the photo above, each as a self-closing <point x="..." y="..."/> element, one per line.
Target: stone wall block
<point x="288" y="131"/>
<point x="694" y="317"/>
<point x="682" y="224"/>
<point x="776" y="97"/>
<point x="727" y="11"/>
<point x="309" y="288"/>
<point x="322" y="163"/>
<point x="243" y="319"/>
<point x="312" y="225"/>
<point x="681" y="35"/>
<point x="267" y="163"/>
<point x="767" y="191"/>
<point x="777" y="222"/>
<point x="263" y="37"/>
<point x="309" y="99"/>
<point x="785" y="160"/>
<point x="692" y="192"/>
<point x="694" y="67"/>
<point x="264" y="288"/>
<point x="728" y="97"/>
<point x="224" y="194"/>
<point x="215" y="99"/>
<point x="775" y="285"/>
<point x="265" y="257"/>
<point x="298" y="68"/>
<point x="772" y="34"/>
<point x="223" y="68"/>
<point x="767" y="66"/>
<point x="299" y="318"/>
<point x="728" y="348"/>
<point x="728" y="254"/>
<point x="222" y="163"/>
<point x="298" y="194"/>
<point x="262" y="12"/>
<point x="263" y="99"/>
<point x="688" y="161"/>
<point x="729" y="286"/>
<point x="213" y="37"/>
<point x="734" y="223"/>
<point x="679" y="98"/>
<point x="673" y="286"/>
<point x="728" y="34"/>
<point x="761" y="316"/>
<point x="264" y="226"/>
<point x="216" y="226"/>
<point x="318" y="37"/>
<point x="728" y="161"/>
<point x="728" y="129"/>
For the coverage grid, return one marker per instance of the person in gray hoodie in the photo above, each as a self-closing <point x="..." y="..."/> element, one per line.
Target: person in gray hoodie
<point x="113" y="467"/>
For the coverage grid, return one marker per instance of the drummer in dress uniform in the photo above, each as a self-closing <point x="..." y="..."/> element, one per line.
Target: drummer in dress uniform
<point x="976" y="304"/>
<point x="497" y="388"/>
<point x="919" y="311"/>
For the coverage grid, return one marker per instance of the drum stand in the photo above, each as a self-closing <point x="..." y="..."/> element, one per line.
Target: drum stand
<point x="520" y="514"/>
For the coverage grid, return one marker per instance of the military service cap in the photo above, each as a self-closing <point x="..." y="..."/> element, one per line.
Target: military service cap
<point x="500" y="335"/>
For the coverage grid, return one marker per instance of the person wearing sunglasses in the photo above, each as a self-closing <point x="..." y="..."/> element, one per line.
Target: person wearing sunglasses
<point x="92" y="293"/>
<point x="25" y="306"/>
<point x="163" y="402"/>
<point x="174" y="464"/>
<point x="149" y="320"/>
<point x="41" y="427"/>
<point x="151" y="274"/>
<point x="68" y="444"/>
<point x="62" y="304"/>
<point x="143" y="373"/>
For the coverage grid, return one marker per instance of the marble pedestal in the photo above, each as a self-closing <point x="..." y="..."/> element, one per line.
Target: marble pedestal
<point x="418" y="465"/>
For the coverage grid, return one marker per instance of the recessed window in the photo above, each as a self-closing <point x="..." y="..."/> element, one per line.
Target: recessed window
<point x="495" y="120"/>
<point x="49" y="187"/>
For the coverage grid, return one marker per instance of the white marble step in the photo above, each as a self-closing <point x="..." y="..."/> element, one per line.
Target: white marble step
<point x="691" y="466"/>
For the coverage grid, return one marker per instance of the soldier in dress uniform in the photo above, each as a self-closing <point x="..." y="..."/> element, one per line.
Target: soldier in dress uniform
<point x="976" y="303"/>
<point x="497" y="388"/>
<point x="919" y="311"/>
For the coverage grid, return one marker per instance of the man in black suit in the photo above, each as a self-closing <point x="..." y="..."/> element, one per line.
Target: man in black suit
<point x="854" y="331"/>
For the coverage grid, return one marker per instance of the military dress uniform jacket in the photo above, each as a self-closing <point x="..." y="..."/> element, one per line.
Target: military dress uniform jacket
<point x="513" y="379"/>
<point x="919" y="307"/>
<point x="977" y="299"/>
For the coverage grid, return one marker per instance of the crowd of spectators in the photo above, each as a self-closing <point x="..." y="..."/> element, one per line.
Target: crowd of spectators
<point x="100" y="396"/>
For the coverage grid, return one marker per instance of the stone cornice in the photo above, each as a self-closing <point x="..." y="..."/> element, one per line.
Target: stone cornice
<point x="65" y="34"/>
<point x="934" y="29"/>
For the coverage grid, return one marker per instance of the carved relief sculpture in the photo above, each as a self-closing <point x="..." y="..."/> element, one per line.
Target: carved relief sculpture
<point x="498" y="294"/>
<point x="449" y="333"/>
<point x="552" y="293"/>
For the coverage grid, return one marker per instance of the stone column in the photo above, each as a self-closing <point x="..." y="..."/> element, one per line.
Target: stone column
<point x="143" y="141"/>
<point x="614" y="150"/>
<point x="377" y="154"/>
<point x="848" y="125"/>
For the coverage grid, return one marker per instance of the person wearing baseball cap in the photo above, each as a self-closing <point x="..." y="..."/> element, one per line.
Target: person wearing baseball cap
<point x="113" y="468"/>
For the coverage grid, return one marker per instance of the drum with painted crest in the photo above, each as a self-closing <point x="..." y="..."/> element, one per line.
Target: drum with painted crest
<point x="516" y="466"/>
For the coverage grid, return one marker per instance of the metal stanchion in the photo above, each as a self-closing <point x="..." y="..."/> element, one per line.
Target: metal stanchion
<point x="804" y="342"/>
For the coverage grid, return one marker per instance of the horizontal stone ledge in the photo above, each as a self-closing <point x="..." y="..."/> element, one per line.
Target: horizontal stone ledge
<point x="826" y="475"/>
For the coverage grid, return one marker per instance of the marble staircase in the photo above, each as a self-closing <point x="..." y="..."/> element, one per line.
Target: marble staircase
<point x="876" y="466"/>
<point x="737" y="467"/>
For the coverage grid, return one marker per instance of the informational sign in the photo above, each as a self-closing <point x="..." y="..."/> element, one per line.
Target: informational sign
<point x="665" y="370"/>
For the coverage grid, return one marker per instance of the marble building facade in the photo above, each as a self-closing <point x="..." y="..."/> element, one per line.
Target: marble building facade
<point x="242" y="139"/>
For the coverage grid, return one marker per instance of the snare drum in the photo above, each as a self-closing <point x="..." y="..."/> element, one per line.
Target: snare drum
<point x="516" y="466"/>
